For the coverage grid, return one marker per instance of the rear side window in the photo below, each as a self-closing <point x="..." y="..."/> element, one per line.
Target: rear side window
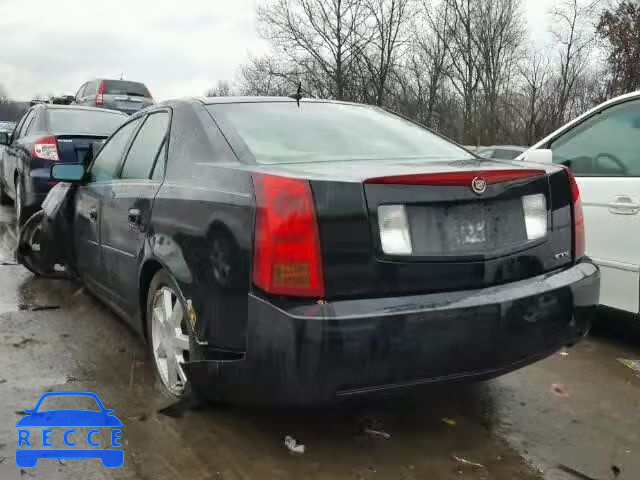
<point x="108" y="159"/>
<point x="158" y="170"/>
<point x="123" y="87"/>
<point x="26" y="124"/>
<point x="30" y="126"/>
<point x="80" y="93"/>
<point x="90" y="90"/>
<point x="77" y="121"/>
<point x="145" y="147"/>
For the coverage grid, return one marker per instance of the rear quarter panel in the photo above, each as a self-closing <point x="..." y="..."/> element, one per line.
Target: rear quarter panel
<point x="201" y="228"/>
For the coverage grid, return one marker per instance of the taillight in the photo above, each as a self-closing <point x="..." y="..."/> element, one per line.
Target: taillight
<point x="100" y="95"/>
<point x="149" y="94"/>
<point x="286" y="256"/>
<point x="46" y="148"/>
<point x="578" y="218"/>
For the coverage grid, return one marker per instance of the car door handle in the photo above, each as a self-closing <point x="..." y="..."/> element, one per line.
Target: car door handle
<point x="624" y="205"/>
<point x="93" y="214"/>
<point x="134" y="217"/>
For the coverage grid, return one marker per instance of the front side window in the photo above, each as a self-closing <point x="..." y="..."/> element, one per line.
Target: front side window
<point x="606" y="144"/>
<point x="145" y="147"/>
<point x="282" y="132"/>
<point x="107" y="161"/>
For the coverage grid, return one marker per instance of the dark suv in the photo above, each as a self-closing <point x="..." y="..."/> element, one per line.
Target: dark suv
<point x="123" y="95"/>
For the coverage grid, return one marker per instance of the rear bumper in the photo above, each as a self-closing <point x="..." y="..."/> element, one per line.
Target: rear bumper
<point x="317" y="354"/>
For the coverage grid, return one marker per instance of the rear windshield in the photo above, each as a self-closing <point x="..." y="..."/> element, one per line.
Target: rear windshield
<point x="122" y="87"/>
<point x="282" y="132"/>
<point x="75" y="121"/>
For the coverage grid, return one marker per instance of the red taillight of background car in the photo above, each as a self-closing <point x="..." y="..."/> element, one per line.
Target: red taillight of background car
<point x="456" y="179"/>
<point x="46" y="148"/>
<point x="286" y="256"/>
<point x="578" y="218"/>
<point x="100" y="95"/>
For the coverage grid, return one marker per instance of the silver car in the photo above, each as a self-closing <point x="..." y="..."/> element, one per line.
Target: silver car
<point x="123" y="95"/>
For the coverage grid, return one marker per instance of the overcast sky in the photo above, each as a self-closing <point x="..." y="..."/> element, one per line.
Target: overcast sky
<point x="177" y="47"/>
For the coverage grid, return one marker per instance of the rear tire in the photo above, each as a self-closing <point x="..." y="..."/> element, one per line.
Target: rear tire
<point x="169" y="334"/>
<point x="21" y="210"/>
<point x="4" y="198"/>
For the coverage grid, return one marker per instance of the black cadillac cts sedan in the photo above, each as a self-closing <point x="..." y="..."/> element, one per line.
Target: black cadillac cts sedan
<point x="277" y="252"/>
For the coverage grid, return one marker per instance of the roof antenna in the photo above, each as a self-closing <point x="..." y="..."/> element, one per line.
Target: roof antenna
<point x="298" y="95"/>
<point x="121" y="76"/>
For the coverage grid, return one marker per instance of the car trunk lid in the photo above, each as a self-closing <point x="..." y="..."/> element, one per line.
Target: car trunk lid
<point x="465" y="215"/>
<point x="74" y="148"/>
<point x="460" y="239"/>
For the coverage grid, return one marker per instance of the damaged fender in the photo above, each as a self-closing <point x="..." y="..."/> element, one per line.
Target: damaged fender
<point x="40" y="243"/>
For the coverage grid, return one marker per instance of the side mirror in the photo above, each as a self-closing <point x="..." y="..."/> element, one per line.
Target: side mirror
<point x="68" y="172"/>
<point x="543" y="155"/>
<point x="4" y="138"/>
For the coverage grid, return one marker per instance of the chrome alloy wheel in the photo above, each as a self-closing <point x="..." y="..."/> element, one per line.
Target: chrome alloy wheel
<point x="170" y="340"/>
<point x="18" y="202"/>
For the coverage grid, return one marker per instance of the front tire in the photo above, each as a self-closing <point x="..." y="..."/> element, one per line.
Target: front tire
<point x="168" y="335"/>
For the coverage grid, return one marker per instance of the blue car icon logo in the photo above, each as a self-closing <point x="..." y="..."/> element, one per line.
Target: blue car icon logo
<point x="29" y="440"/>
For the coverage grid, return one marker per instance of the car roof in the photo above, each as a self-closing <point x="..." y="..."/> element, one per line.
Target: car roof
<point x="258" y="99"/>
<point x="114" y="80"/>
<point x="53" y="106"/>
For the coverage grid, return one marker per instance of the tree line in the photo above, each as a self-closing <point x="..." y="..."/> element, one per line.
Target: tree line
<point x="465" y="68"/>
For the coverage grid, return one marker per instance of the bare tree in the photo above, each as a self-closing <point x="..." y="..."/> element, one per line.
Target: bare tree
<point x="619" y="27"/>
<point x="575" y="38"/>
<point x="499" y="30"/>
<point x="463" y="67"/>
<point x="320" y="39"/>
<point x="535" y="71"/>
<point x="389" y="30"/>
<point x="262" y="76"/>
<point x="429" y="62"/>
<point x="222" y="89"/>
<point x="465" y="74"/>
